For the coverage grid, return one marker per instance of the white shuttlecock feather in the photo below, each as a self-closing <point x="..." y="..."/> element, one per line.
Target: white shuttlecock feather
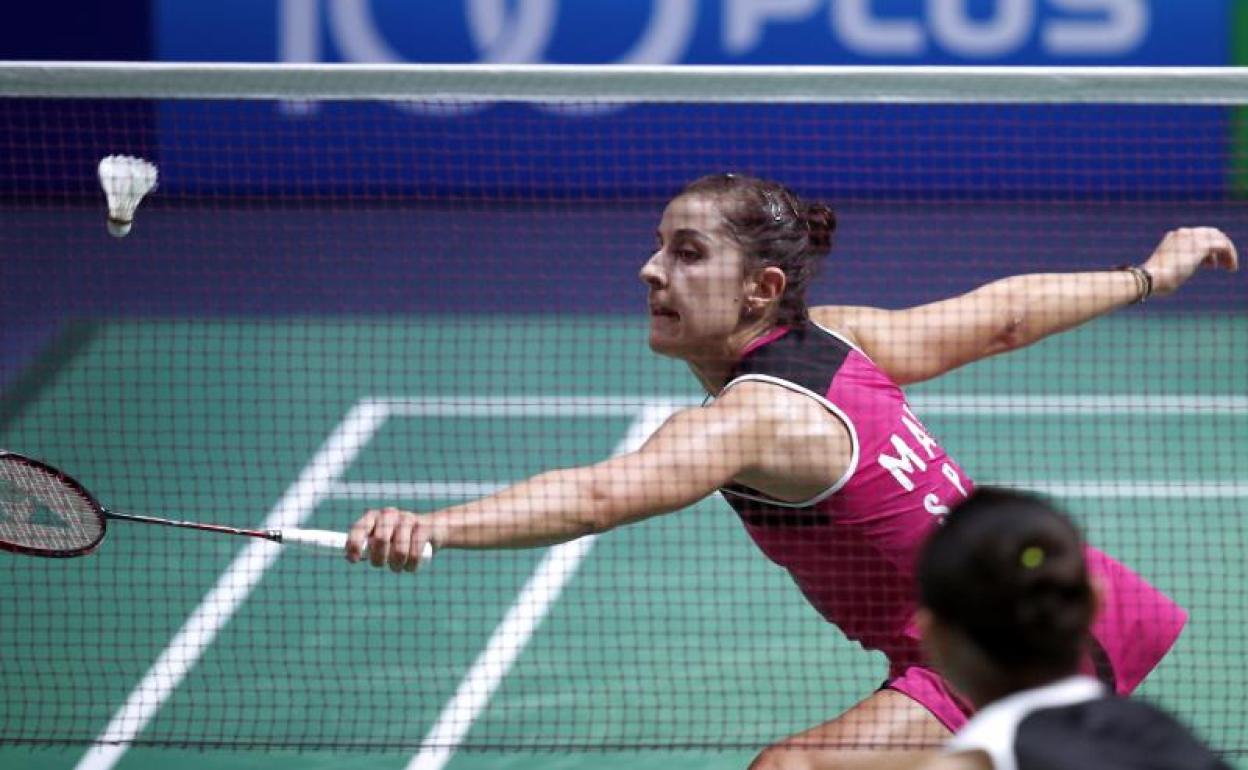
<point x="125" y="180"/>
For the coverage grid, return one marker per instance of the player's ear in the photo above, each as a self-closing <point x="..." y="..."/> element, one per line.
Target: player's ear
<point x="766" y="287"/>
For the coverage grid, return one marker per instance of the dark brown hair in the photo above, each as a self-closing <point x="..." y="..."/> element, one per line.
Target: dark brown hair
<point x="775" y="228"/>
<point x="1007" y="568"/>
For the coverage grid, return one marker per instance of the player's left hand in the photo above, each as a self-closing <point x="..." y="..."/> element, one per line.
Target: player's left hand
<point x="1182" y="252"/>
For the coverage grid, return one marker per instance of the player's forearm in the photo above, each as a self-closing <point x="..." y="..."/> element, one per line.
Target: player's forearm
<point x="550" y="508"/>
<point x="1035" y="306"/>
<point x="693" y="453"/>
<point x="920" y="343"/>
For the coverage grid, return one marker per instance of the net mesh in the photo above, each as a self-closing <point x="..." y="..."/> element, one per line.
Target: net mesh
<point x="331" y="306"/>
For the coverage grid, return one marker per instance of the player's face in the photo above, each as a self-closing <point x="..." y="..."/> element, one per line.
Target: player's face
<point x="696" y="279"/>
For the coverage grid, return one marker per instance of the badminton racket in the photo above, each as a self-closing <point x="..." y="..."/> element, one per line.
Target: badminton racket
<point x="45" y="512"/>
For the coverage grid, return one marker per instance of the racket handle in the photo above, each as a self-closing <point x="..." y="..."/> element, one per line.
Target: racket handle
<point x="330" y="542"/>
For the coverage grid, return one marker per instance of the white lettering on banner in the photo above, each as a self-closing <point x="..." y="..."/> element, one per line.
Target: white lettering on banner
<point x="904" y="464"/>
<point x="1004" y="32"/>
<point x="298" y="40"/>
<point x="522" y="31"/>
<point x="503" y="40"/>
<point x="1101" y="27"/>
<point x="298" y="34"/>
<point x="499" y="37"/>
<point x="863" y="33"/>
<point x="744" y="19"/>
<point x="1122" y="29"/>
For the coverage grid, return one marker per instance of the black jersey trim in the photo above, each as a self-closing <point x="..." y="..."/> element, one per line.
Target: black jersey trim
<point x="1109" y="733"/>
<point x="840" y="337"/>
<point x="807" y="356"/>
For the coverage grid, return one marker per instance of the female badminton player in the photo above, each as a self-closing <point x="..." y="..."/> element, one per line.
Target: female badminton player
<point x="1006" y="609"/>
<point x="810" y="439"/>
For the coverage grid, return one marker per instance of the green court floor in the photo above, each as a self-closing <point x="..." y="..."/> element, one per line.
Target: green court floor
<point x="672" y="642"/>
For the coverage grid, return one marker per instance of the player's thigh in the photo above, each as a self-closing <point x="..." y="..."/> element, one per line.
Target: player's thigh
<point x="886" y="731"/>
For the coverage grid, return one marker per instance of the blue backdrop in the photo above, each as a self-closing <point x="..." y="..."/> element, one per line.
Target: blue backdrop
<point x="1011" y="32"/>
<point x="213" y="149"/>
<point x="909" y="181"/>
<point x="1001" y="32"/>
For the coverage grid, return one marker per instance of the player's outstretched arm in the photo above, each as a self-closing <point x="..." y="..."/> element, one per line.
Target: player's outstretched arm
<point x="926" y="341"/>
<point x="692" y="454"/>
<point x="967" y="760"/>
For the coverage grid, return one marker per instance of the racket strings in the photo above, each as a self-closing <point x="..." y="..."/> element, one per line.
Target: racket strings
<point x="39" y="511"/>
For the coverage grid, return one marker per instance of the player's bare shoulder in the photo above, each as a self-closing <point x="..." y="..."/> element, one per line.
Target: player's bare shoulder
<point x="833" y="317"/>
<point x="798" y="445"/>
<point x="846" y="320"/>
<point x="762" y="401"/>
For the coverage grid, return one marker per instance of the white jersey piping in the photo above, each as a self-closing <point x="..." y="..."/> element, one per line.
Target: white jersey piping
<point x="994" y="728"/>
<point x="831" y="407"/>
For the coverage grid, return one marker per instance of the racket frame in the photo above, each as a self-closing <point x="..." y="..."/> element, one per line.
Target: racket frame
<point x="79" y="490"/>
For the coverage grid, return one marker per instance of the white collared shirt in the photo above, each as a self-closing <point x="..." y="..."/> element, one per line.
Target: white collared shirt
<point x="992" y="730"/>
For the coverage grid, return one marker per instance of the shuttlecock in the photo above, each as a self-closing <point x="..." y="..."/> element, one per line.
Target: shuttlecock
<point x="125" y="180"/>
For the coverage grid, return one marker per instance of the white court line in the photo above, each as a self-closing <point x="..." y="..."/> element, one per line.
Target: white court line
<point x="1086" y="404"/>
<point x="424" y="490"/>
<point x="414" y="490"/>
<point x="526" y="406"/>
<point x="512" y="634"/>
<point x="956" y="404"/>
<point x="233" y="587"/>
<point x="1123" y="488"/>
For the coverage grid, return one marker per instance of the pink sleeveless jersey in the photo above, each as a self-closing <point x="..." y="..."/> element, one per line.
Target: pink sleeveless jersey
<point x="852" y="549"/>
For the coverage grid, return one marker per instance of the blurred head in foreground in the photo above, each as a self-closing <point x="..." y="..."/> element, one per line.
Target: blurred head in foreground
<point x="1007" y="604"/>
<point x="1007" y="607"/>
